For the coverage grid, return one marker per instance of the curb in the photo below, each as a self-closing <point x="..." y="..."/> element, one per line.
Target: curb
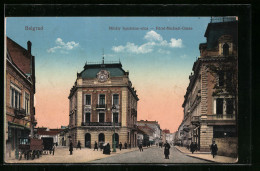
<point x="196" y="156"/>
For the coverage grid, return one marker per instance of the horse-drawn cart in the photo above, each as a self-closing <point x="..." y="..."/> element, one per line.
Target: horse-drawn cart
<point x="30" y="148"/>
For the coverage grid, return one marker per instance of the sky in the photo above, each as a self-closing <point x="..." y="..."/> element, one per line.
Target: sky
<point x="158" y="52"/>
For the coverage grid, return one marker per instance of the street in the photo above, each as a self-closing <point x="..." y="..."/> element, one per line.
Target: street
<point x="150" y="155"/>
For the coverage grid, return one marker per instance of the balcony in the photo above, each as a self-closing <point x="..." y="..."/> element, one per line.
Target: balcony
<point x="195" y="120"/>
<point x="101" y="106"/>
<point x="133" y="112"/>
<point x="99" y="124"/>
<point x="19" y="113"/>
<point x="186" y="128"/>
<point x="221" y="119"/>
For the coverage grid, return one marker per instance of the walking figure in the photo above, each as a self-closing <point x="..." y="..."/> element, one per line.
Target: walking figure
<point x="141" y="147"/>
<point x="95" y="147"/>
<point x="125" y="145"/>
<point x="214" y="149"/>
<point x="53" y="149"/>
<point x="167" y="150"/>
<point x="78" y="145"/>
<point x="192" y="147"/>
<point x="71" y="148"/>
<point x="120" y="146"/>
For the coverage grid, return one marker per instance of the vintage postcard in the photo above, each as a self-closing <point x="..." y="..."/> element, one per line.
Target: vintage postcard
<point x="121" y="90"/>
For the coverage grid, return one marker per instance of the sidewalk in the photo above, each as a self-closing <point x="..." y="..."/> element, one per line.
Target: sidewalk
<point x="61" y="155"/>
<point x="206" y="156"/>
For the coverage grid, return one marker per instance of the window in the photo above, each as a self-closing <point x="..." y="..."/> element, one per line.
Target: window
<point x="115" y="117"/>
<point x="101" y="117"/>
<point x="87" y="117"/>
<point x="219" y="106"/>
<point x="229" y="79"/>
<point x="115" y="99"/>
<point x="87" y="99"/>
<point x="102" y="99"/>
<point x="230" y="106"/>
<point x="225" y="49"/>
<point x="26" y="103"/>
<point x="15" y="98"/>
<point x="221" y="78"/>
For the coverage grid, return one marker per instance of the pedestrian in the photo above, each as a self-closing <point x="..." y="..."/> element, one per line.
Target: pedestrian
<point x="141" y="147"/>
<point x="192" y="147"/>
<point x="120" y="146"/>
<point x="71" y="148"/>
<point x="78" y="145"/>
<point x="125" y="145"/>
<point x="167" y="150"/>
<point x="214" y="149"/>
<point x="96" y="146"/>
<point x="53" y="149"/>
<point x="101" y="146"/>
<point x="108" y="149"/>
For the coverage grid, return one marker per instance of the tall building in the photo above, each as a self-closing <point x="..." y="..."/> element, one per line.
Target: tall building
<point x="20" y="90"/>
<point x="210" y="102"/>
<point x="103" y="103"/>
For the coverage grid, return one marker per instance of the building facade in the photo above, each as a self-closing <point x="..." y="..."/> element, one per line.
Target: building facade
<point x="210" y="102"/>
<point x="20" y="90"/>
<point x="103" y="106"/>
<point x="154" y="125"/>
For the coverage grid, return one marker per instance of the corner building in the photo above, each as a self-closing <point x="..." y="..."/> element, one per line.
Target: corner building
<point x="210" y="102"/>
<point x="103" y="101"/>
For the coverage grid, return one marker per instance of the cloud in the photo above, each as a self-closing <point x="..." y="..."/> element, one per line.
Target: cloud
<point x="64" y="47"/>
<point x="176" y="43"/>
<point x="184" y="56"/>
<point x="153" y="36"/>
<point x="153" y="40"/>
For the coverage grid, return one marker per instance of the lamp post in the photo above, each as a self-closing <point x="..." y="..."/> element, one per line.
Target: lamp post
<point x="114" y="136"/>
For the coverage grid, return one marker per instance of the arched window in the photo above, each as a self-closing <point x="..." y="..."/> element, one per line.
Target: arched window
<point x="101" y="137"/>
<point x="88" y="140"/>
<point x="225" y="49"/>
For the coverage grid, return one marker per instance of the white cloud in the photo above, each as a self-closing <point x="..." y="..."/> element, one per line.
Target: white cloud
<point x="153" y="36"/>
<point x="176" y="43"/>
<point x="183" y="56"/>
<point x="153" y="39"/>
<point x="64" y="47"/>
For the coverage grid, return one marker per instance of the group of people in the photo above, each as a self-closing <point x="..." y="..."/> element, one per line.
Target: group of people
<point x="213" y="148"/>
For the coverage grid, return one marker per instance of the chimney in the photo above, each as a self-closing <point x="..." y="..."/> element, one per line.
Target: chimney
<point x="29" y="46"/>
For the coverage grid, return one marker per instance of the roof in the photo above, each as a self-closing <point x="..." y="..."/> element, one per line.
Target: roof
<point x="146" y="121"/>
<point x="91" y="70"/>
<point x="167" y="131"/>
<point x="20" y="56"/>
<point x="146" y="129"/>
<point x="215" y="30"/>
<point x="50" y="132"/>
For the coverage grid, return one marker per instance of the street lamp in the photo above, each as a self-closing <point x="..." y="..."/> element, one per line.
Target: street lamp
<point x="114" y="137"/>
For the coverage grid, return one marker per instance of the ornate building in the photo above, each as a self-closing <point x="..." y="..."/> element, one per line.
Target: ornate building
<point x="103" y="103"/>
<point x="210" y="102"/>
<point x="20" y="90"/>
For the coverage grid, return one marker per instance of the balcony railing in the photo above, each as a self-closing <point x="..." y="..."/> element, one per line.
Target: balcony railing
<point x="221" y="117"/>
<point x="100" y="124"/>
<point x="133" y="112"/>
<point x="195" y="120"/>
<point x="19" y="113"/>
<point x="101" y="106"/>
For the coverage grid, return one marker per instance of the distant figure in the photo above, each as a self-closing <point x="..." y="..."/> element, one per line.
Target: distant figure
<point x="214" y="149"/>
<point x="108" y="149"/>
<point x="192" y="147"/>
<point x="120" y="146"/>
<point x="71" y="148"/>
<point x="125" y="145"/>
<point x="101" y="146"/>
<point x="78" y="145"/>
<point x="56" y="144"/>
<point x="130" y="145"/>
<point x="95" y="147"/>
<point x="53" y="149"/>
<point x="141" y="147"/>
<point x="167" y="150"/>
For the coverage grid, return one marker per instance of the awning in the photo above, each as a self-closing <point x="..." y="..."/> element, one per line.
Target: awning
<point x="17" y="126"/>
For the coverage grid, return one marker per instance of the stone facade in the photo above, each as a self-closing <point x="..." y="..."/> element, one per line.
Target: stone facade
<point x="210" y="103"/>
<point x="103" y="101"/>
<point x="19" y="93"/>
